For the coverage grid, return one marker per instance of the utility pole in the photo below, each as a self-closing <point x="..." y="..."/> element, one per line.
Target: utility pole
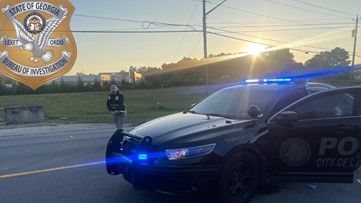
<point x="205" y="52"/>
<point x="204" y="30"/>
<point x="354" y="34"/>
<point x="355" y="40"/>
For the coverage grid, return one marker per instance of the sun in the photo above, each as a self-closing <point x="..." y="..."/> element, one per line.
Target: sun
<point x="255" y="49"/>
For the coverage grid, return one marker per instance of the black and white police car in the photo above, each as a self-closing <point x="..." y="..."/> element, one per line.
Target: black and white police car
<point x="241" y="136"/>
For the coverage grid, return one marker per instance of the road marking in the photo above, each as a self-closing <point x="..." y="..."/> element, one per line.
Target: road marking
<point x="50" y="170"/>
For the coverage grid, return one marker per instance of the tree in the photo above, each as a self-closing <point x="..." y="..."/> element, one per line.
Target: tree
<point x="63" y="87"/>
<point x="2" y="87"/>
<point x="80" y="85"/>
<point x="333" y="64"/>
<point x="53" y="86"/>
<point x="334" y="58"/>
<point x="97" y="86"/>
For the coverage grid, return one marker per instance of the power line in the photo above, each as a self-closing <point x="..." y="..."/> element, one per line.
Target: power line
<point x="267" y="16"/>
<point x="287" y="5"/>
<point x="108" y="18"/>
<point x="183" y="31"/>
<point x="268" y="39"/>
<point x="195" y="44"/>
<point x="193" y="31"/>
<point x="162" y="24"/>
<point x="258" y="14"/>
<point x="270" y="45"/>
<point x="240" y="39"/>
<point x="181" y="41"/>
<point x="278" y="30"/>
<point x="131" y="31"/>
<point x="145" y="24"/>
<point x="295" y="29"/>
<point x="320" y="20"/>
<point x="324" y="8"/>
<point x="281" y="25"/>
<point x="242" y="25"/>
<point x="197" y="31"/>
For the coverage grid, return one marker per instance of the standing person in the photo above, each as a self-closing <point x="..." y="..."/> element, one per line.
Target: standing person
<point x="116" y="106"/>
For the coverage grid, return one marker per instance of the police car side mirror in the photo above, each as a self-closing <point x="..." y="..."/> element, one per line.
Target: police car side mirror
<point x="254" y="111"/>
<point x="286" y="117"/>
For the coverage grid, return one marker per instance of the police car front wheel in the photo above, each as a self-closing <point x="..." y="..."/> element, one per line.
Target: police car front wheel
<point x="239" y="179"/>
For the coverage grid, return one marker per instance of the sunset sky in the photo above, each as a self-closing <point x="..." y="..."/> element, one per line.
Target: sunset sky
<point x="306" y="26"/>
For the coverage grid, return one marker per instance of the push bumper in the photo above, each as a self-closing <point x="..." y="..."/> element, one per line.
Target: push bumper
<point x="145" y="174"/>
<point x="169" y="179"/>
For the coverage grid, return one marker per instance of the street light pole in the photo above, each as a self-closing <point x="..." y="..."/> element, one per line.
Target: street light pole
<point x="205" y="53"/>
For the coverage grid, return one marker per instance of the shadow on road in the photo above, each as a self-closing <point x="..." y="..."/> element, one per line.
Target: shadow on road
<point x="269" y="189"/>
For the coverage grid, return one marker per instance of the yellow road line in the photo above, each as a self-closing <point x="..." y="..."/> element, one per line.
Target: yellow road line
<point x="50" y="169"/>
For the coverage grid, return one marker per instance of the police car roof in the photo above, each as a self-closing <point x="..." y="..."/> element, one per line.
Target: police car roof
<point x="264" y="86"/>
<point x="312" y="86"/>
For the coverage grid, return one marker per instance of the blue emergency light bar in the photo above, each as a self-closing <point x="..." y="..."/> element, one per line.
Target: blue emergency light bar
<point x="273" y="80"/>
<point x="142" y="157"/>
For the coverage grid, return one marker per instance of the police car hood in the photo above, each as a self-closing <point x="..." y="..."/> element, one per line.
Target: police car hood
<point x="184" y="127"/>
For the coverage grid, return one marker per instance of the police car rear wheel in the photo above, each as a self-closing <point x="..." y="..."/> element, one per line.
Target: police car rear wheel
<point x="239" y="179"/>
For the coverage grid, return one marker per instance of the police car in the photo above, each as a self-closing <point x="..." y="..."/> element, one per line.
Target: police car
<point x="242" y="136"/>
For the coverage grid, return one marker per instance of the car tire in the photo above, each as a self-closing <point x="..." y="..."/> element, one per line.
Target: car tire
<point x="239" y="178"/>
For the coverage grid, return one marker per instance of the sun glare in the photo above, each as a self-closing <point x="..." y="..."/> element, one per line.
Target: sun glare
<point x="255" y="49"/>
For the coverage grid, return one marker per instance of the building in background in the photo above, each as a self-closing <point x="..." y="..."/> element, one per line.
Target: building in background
<point x="73" y="79"/>
<point x="135" y="77"/>
<point x="116" y="77"/>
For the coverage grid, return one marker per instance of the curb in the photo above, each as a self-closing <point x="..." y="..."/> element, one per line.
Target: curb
<point x="28" y="129"/>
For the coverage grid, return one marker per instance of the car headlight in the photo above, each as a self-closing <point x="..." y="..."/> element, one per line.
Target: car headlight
<point x="181" y="153"/>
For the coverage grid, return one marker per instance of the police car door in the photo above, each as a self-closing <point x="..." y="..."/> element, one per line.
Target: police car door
<point x="318" y="136"/>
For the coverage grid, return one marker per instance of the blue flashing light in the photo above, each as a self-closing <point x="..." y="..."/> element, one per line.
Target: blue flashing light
<point x="271" y="80"/>
<point x="142" y="157"/>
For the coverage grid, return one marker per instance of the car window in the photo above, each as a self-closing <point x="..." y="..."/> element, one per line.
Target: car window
<point x="287" y="99"/>
<point x="317" y="89"/>
<point x="234" y="103"/>
<point x="327" y="106"/>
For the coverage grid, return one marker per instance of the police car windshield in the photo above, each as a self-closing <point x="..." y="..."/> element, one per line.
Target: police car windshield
<point x="234" y="102"/>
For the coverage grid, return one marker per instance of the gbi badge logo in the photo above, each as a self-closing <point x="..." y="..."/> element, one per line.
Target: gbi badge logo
<point x="36" y="43"/>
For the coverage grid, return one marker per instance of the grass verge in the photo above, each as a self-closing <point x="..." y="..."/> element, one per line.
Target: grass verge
<point x="89" y="107"/>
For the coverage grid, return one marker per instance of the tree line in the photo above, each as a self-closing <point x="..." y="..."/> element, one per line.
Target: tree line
<point x="326" y="66"/>
<point x="330" y="66"/>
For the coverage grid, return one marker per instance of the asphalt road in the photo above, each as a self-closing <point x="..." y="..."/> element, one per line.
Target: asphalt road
<point x="66" y="164"/>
